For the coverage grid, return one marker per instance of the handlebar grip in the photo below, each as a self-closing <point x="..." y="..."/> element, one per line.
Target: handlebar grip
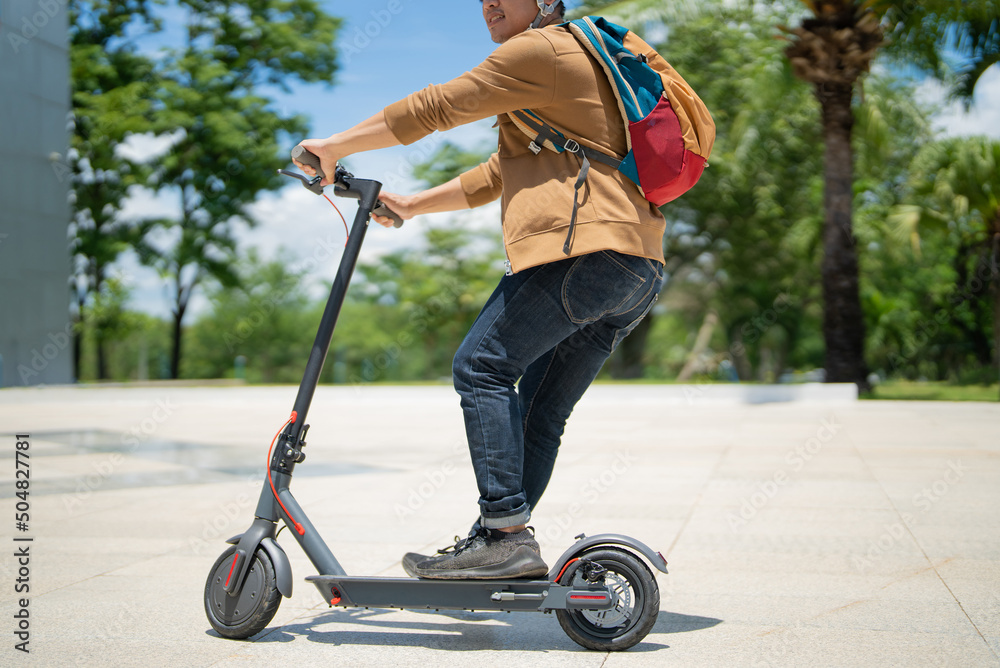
<point x="303" y="155"/>
<point x="382" y="210"/>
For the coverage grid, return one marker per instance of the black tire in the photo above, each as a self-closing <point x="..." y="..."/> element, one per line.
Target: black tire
<point x="249" y="613"/>
<point x="634" y="613"/>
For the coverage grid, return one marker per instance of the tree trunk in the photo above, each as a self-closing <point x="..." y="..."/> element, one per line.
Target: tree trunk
<point x="180" y="306"/>
<point x="99" y="329"/>
<point x="995" y="260"/>
<point x="78" y="340"/>
<point x="843" y="319"/>
<point x="982" y="346"/>
<point x="691" y="365"/>
<point x="175" y="354"/>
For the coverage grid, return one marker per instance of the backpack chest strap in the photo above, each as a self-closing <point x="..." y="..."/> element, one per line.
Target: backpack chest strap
<point x="543" y="132"/>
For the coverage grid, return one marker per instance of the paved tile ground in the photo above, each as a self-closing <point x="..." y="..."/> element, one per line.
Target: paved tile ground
<point x="798" y="534"/>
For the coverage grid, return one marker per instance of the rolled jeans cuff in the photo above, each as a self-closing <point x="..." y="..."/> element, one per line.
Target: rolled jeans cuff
<point x="502" y="520"/>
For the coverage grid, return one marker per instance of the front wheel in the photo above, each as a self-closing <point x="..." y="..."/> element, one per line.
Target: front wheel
<point x="636" y="597"/>
<point x="249" y="613"/>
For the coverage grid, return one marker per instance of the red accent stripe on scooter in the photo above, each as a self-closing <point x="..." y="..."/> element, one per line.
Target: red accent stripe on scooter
<point x="587" y="597"/>
<point x="229" y="577"/>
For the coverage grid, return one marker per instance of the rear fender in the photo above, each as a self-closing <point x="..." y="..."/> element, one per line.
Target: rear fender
<point x="584" y="544"/>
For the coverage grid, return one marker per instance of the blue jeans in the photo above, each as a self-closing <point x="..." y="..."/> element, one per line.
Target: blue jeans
<point x="552" y="326"/>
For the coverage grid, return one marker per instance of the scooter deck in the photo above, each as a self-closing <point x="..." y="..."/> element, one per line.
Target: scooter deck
<point x="499" y="595"/>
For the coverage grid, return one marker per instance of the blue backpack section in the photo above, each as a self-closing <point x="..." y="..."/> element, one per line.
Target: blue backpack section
<point x="639" y="85"/>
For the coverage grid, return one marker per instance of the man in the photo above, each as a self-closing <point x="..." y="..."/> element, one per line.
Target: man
<point x="571" y="293"/>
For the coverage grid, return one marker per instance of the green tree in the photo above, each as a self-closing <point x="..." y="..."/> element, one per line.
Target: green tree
<point x="437" y="294"/>
<point x="831" y="48"/>
<point x="112" y="89"/>
<point x="742" y="245"/>
<point x="265" y="319"/>
<point x="956" y="186"/>
<point x="896" y="295"/>
<point x="108" y="322"/>
<point x="447" y="162"/>
<point x="227" y="137"/>
<point x="956" y="41"/>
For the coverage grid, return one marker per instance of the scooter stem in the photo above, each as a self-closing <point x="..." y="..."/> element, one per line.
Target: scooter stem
<point x="269" y="509"/>
<point x="366" y="191"/>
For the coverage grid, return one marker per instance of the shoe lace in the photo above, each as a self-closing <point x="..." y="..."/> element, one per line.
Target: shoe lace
<point x="452" y="548"/>
<point x="470" y="540"/>
<point x="462" y="544"/>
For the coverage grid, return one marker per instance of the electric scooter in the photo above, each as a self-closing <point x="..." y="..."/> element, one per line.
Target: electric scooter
<point x="601" y="589"/>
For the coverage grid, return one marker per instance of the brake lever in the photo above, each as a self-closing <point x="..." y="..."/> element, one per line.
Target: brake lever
<point x="312" y="185"/>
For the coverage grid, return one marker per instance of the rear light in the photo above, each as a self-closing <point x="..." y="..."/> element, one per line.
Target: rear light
<point x="591" y="600"/>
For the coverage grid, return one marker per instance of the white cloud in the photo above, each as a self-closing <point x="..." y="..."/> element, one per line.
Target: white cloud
<point x="146" y="146"/>
<point x="143" y="203"/>
<point x="982" y="118"/>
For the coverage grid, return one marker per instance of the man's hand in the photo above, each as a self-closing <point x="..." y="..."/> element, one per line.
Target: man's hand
<point x="402" y="206"/>
<point x="326" y="151"/>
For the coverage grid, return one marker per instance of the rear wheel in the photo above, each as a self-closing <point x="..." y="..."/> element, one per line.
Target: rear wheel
<point x="249" y="613"/>
<point x="636" y="602"/>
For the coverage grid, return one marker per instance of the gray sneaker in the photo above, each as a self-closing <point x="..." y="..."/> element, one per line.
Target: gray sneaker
<point x="411" y="559"/>
<point x="487" y="554"/>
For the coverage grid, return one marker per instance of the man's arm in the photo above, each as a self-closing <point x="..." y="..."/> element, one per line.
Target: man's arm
<point x="476" y="187"/>
<point x="448" y="196"/>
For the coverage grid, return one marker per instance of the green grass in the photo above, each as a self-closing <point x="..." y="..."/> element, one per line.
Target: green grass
<point x="903" y="390"/>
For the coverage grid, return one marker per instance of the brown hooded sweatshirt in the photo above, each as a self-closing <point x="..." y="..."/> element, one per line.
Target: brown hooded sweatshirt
<point x="549" y="72"/>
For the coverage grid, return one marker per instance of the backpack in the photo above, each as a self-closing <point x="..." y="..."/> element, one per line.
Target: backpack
<point x="668" y="129"/>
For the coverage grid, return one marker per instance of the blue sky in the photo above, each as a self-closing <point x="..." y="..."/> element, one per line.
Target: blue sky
<point x="385" y="56"/>
<point x="390" y="48"/>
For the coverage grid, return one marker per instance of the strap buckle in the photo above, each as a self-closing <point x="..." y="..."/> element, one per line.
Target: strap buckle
<point x="572" y="146"/>
<point x="535" y="148"/>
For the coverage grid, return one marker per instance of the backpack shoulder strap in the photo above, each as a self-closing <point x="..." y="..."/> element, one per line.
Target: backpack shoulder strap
<point x="604" y="41"/>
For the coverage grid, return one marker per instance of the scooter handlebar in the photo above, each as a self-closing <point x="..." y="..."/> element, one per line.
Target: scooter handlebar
<point x="382" y="210"/>
<point x="303" y="155"/>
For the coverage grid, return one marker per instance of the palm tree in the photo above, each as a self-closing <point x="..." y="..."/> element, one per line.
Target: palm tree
<point x="832" y="49"/>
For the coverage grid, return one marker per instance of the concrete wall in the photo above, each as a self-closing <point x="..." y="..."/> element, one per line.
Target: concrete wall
<point x="34" y="259"/>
